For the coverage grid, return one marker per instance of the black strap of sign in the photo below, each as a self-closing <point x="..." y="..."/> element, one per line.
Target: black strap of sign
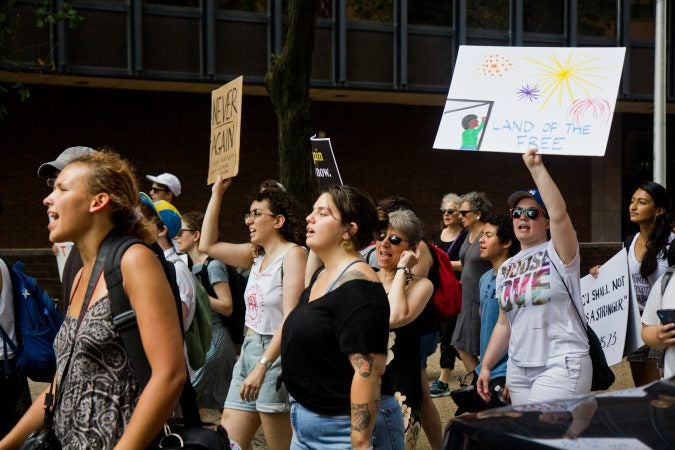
<point x="53" y="396"/>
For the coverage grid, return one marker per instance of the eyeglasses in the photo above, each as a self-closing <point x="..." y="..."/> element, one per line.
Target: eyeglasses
<point x="393" y="239"/>
<point x="531" y="213"/>
<point x="256" y="213"/>
<point x="446" y="211"/>
<point x="180" y="232"/>
<point x="158" y="189"/>
<point x="464" y="213"/>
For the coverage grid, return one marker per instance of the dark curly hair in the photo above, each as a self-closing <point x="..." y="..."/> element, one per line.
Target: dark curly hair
<point x="284" y="204"/>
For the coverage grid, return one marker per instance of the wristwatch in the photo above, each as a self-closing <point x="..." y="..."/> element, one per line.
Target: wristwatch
<point x="265" y="362"/>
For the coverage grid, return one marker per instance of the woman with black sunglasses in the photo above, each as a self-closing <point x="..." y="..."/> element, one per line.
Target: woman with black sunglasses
<point x="466" y="337"/>
<point x="408" y="294"/>
<point x="537" y="291"/>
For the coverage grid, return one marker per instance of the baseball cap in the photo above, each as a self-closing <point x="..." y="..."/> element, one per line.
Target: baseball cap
<point x="170" y="217"/>
<point x="65" y="158"/>
<point x="167" y="179"/>
<point x="515" y="197"/>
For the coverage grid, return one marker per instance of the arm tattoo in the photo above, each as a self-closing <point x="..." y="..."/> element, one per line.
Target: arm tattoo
<point x="364" y="363"/>
<point x="360" y="416"/>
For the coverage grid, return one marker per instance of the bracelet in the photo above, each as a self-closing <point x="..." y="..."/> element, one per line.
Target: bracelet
<point x="266" y="363"/>
<point x="402" y="268"/>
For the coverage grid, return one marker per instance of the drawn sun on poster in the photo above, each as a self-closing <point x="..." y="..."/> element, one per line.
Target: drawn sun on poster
<point x="495" y="66"/>
<point x="572" y="78"/>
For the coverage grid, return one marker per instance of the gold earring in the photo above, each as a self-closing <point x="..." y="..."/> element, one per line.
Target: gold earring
<point x="347" y="246"/>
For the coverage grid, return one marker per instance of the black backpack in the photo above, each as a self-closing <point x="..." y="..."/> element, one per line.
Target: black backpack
<point x="237" y="282"/>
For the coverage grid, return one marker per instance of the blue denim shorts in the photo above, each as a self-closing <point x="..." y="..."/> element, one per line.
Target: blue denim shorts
<point x="314" y="431"/>
<point x="269" y="399"/>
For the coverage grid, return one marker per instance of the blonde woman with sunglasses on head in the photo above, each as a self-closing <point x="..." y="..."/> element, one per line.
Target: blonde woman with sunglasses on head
<point x="537" y="291"/>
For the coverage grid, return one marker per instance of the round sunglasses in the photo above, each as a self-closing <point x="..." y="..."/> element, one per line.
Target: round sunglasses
<point x="446" y="211"/>
<point x="393" y="239"/>
<point x="531" y="213"/>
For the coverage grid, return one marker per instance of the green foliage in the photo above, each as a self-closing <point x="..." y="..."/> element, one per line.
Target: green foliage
<point x="44" y="15"/>
<point x="10" y="94"/>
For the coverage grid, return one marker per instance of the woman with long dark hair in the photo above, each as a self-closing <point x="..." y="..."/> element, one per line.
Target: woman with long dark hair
<point x="649" y="252"/>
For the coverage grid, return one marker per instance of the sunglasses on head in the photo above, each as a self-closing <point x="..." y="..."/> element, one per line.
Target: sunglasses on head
<point x="446" y="211"/>
<point x="531" y="213"/>
<point x="393" y="239"/>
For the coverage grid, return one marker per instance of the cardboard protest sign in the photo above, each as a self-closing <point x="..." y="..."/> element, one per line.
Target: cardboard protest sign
<point x="225" y="130"/>
<point x="606" y="301"/>
<point x="61" y="251"/>
<point x="325" y="166"/>
<point x="508" y="99"/>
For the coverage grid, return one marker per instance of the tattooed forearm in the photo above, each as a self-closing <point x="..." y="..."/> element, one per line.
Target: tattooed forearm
<point x="360" y="416"/>
<point x="363" y="363"/>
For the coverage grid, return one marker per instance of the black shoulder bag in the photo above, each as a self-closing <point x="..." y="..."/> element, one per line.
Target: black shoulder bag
<point x="46" y="439"/>
<point x="603" y="377"/>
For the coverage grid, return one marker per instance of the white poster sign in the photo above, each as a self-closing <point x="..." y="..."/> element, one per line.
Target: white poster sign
<point x="508" y="99"/>
<point x="606" y="301"/>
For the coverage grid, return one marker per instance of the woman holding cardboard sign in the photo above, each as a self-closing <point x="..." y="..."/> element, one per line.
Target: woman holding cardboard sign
<point x="537" y="290"/>
<point x="277" y="262"/>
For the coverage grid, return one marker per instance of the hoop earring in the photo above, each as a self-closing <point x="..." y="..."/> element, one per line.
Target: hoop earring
<point x="347" y="246"/>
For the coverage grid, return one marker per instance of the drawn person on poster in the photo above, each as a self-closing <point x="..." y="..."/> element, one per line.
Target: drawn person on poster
<point x="471" y="133"/>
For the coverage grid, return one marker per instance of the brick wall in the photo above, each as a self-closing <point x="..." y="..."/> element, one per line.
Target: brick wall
<point x="385" y="149"/>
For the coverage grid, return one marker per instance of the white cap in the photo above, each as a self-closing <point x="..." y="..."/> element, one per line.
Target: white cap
<point x="167" y="179"/>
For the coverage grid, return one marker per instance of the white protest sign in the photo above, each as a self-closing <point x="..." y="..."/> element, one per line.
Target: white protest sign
<point x="225" y="130"/>
<point x="606" y="302"/>
<point x="61" y="251"/>
<point x="507" y="99"/>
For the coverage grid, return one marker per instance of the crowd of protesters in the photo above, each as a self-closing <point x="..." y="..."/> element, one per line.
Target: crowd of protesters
<point x="336" y="312"/>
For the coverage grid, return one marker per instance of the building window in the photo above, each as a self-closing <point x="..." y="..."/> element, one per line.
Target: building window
<point x="259" y="6"/>
<point x="487" y="14"/>
<point x="543" y="16"/>
<point x="430" y="12"/>
<point x="371" y="10"/>
<point x="597" y="18"/>
<point x="642" y="14"/>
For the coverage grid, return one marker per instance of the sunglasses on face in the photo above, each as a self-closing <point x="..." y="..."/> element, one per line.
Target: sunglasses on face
<point x="446" y="211"/>
<point x="158" y="189"/>
<point x="393" y="239"/>
<point x="530" y="213"/>
<point x="464" y="213"/>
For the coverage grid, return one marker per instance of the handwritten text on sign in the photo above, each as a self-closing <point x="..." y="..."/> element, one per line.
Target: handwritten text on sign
<point x="606" y="304"/>
<point x="225" y="130"/>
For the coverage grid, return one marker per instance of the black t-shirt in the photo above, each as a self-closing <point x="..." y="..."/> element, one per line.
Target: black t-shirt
<point x="318" y="337"/>
<point x="404" y="371"/>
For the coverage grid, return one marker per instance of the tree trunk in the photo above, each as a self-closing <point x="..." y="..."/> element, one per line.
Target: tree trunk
<point x="287" y="83"/>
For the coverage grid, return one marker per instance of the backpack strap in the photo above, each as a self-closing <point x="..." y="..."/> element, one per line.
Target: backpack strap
<point x="204" y="278"/>
<point x="124" y="317"/>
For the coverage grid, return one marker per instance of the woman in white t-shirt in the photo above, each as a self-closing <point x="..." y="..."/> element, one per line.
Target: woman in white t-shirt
<point x="648" y="255"/>
<point x="537" y="290"/>
<point x="277" y="273"/>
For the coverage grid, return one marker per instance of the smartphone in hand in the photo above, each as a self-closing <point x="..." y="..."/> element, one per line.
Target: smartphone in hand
<point x="666" y="316"/>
